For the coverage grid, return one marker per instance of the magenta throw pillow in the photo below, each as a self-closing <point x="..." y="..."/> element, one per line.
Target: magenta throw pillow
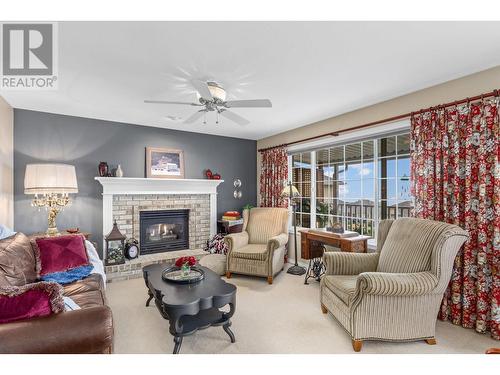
<point x="59" y="254"/>
<point x="30" y="301"/>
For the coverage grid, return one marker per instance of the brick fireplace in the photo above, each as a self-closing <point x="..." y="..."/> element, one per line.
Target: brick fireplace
<point x="167" y="205"/>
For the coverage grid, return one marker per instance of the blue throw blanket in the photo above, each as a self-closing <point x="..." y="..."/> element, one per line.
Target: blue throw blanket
<point x="69" y="276"/>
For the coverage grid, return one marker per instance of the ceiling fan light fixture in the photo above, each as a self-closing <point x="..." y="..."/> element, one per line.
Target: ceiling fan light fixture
<point x="212" y="98"/>
<point x="217" y="91"/>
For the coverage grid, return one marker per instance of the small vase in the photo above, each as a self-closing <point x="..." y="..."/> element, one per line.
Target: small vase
<point x="119" y="171"/>
<point x="103" y="169"/>
<point x="185" y="268"/>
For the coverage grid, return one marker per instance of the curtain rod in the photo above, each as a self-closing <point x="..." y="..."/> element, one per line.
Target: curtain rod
<point x="390" y="119"/>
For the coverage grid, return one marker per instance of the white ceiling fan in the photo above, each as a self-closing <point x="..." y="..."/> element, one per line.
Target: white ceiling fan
<point x="213" y="99"/>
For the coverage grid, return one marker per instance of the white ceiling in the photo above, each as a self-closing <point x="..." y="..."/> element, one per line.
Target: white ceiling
<point x="309" y="70"/>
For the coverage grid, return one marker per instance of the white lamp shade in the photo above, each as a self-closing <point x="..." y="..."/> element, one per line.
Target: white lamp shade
<point x="50" y="178"/>
<point x="285" y="193"/>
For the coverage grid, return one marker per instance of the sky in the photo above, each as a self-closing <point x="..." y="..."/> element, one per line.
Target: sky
<point x="359" y="179"/>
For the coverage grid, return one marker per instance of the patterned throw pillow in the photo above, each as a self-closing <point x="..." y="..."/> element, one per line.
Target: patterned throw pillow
<point x="62" y="259"/>
<point x="30" y="301"/>
<point x="216" y="245"/>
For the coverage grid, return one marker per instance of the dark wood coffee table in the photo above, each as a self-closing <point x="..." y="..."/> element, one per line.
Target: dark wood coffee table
<point x="190" y="307"/>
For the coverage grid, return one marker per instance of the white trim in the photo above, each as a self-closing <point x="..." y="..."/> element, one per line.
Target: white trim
<point x="369" y="133"/>
<point x="127" y="185"/>
<point x="312" y="203"/>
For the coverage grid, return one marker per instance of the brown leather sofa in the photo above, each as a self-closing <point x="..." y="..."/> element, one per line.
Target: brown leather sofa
<point x="86" y="331"/>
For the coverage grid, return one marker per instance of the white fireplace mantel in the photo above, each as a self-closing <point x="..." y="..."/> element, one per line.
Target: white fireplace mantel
<point x="129" y="185"/>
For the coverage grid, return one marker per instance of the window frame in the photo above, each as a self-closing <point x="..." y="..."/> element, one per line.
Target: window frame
<point x="386" y="130"/>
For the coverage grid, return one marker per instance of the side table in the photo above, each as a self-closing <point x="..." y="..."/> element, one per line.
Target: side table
<point x="224" y="228"/>
<point x="63" y="233"/>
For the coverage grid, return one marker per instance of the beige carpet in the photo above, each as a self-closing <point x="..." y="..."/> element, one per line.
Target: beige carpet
<point x="281" y="318"/>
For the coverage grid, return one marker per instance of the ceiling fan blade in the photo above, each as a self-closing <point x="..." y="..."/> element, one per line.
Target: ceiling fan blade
<point x="254" y="103"/>
<point x="234" y="117"/>
<point x="202" y="89"/>
<point x="167" y="102"/>
<point x="195" y="116"/>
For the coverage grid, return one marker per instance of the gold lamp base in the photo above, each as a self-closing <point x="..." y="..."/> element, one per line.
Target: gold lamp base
<point x="52" y="232"/>
<point x="52" y="229"/>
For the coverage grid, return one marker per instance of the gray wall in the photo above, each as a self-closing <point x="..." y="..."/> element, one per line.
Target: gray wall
<point x="83" y="142"/>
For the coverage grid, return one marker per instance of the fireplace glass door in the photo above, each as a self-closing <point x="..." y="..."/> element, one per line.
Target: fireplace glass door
<point x="164" y="230"/>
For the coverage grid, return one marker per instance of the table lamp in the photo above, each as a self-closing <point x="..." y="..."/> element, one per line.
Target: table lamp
<point x="291" y="192"/>
<point x="51" y="184"/>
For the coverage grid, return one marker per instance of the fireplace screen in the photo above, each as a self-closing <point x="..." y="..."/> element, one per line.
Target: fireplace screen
<point x="164" y="230"/>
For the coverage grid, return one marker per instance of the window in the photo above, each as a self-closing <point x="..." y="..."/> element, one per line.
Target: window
<point x="394" y="198"/>
<point x="356" y="184"/>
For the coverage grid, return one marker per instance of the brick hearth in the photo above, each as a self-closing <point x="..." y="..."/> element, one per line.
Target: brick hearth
<point x="133" y="268"/>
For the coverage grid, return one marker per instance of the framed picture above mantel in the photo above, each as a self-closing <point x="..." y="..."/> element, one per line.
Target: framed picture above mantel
<point x="164" y="163"/>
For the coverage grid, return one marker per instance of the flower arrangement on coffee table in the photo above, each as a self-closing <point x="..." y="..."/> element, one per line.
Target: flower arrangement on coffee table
<point x="185" y="264"/>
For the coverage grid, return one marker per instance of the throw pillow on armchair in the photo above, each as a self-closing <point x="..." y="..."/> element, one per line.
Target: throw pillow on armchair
<point x="30" y="301"/>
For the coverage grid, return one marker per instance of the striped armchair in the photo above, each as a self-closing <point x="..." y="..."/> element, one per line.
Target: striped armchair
<point x="259" y="250"/>
<point x="393" y="294"/>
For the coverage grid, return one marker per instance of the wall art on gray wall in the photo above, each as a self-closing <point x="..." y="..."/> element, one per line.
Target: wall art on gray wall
<point x="164" y="163"/>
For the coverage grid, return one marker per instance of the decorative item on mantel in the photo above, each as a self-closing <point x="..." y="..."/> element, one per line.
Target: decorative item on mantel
<point x="103" y="169"/>
<point x="115" y="246"/>
<point x="119" y="171"/>
<point x="212" y="176"/>
<point x="51" y="184"/>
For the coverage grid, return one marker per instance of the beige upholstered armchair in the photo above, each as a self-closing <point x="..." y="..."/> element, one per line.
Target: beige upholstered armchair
<point x="259" y="250"/>
<point x="395" y="293"/>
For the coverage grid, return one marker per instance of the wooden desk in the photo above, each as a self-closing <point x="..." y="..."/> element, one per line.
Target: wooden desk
<point x="311" y="241"/>
<point x="312" y="247"/>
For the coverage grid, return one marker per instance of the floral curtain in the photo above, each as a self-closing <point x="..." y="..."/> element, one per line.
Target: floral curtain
<point x="273" y="175"/>
<point x="455" y="171"/>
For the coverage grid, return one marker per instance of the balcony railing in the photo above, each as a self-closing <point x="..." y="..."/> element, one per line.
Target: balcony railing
<point x="367" y="211"/>
<point x="356" y="217"/>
